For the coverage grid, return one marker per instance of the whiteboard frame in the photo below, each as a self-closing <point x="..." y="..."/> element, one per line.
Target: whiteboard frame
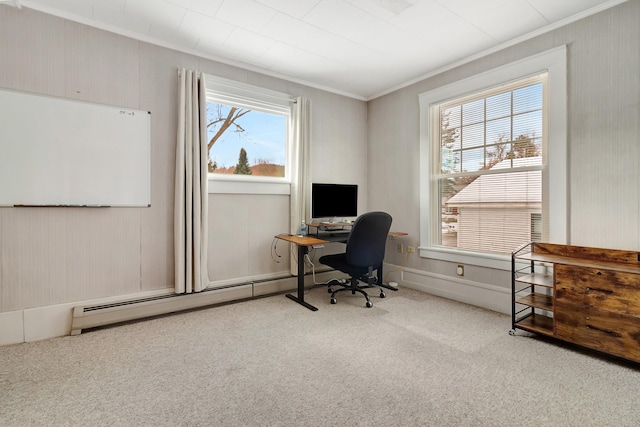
<point x="64" y="152"/>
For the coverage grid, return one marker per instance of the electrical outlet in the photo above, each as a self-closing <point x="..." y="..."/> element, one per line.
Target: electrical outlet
<point x="400" y="249"/>
<point x="411" y="249"/>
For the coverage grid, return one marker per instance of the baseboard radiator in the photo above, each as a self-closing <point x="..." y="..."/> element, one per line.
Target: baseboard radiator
<point x="87" y="317"/>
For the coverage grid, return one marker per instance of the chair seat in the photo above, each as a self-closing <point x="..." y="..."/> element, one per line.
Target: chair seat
<point x="339" y="262"/>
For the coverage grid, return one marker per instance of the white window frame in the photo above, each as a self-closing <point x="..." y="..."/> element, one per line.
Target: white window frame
<point x="231" y="92"/>
<point x="554" y="174"/>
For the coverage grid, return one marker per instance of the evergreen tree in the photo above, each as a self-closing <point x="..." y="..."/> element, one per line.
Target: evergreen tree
<point x="242" y="168"/>
<point x="449" y="134"/>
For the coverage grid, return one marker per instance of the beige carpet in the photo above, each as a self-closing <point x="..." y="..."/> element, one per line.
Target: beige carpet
<point x="411" y="360"/>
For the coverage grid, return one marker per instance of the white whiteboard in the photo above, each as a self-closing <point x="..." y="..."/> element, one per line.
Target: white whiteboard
<point x="61" y="152"/>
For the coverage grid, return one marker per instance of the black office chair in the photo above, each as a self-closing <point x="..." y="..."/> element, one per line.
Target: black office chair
<point x="364" y="254"/>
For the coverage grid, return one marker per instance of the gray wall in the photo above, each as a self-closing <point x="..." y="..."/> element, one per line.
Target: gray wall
<point x="53" y="256"/>
<point x="603" y="61"/>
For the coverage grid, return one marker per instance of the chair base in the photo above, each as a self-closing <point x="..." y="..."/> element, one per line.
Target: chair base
<point x="353" y="286"/>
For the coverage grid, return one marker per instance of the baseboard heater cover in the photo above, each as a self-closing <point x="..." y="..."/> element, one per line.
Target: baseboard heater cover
<point x="85" y="317"/>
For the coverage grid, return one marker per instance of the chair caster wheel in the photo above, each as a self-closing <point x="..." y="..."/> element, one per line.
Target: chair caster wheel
<point x="334" y="301"/>
<point x="382" y="295"/>
<point x="369" y="304"/>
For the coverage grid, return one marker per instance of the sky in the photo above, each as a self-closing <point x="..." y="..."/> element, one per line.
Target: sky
<point x="263" y="138"/>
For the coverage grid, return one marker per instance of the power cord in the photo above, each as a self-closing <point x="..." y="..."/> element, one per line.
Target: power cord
<point x="400" y="268"/>
<point x="311" y="265"/>
<point x="274" y="251"/>
<point x="275" y="256"/>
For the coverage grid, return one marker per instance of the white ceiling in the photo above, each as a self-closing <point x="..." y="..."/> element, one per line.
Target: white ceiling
<point x="360" y="48"/>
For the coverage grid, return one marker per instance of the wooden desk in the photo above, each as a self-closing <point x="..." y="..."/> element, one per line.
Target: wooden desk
<point x="303" y="243"/>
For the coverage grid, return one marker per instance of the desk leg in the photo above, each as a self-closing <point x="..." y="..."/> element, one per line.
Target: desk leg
<point x="302" y="251"/>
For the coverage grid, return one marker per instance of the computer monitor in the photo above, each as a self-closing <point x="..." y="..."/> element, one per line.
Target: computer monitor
<point x="332" y="201"/>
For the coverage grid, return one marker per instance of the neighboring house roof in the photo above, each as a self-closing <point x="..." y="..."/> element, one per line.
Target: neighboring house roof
<point x="512" y="187"/>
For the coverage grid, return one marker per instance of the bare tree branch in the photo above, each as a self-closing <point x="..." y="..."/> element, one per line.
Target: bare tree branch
<point x="233" y="115"/>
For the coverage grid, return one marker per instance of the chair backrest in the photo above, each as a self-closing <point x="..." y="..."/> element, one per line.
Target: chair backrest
<point x="367" y="241"/>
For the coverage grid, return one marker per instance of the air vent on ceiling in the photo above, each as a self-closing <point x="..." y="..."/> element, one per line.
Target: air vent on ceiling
<point x="394" y="6"/>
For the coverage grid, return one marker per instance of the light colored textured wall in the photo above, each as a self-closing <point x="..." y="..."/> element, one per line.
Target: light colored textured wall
<point x="50" y="256"/>
<point x="603" y="131"/>
<point x="55" y="256"/>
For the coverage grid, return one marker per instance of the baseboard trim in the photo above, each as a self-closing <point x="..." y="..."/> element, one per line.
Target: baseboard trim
<point x="495" y="298"/>
<point x="40" y="323"/>
<point x="35" y="324"/>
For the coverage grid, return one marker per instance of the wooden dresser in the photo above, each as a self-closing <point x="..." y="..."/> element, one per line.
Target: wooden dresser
<point x="585" y="296"/>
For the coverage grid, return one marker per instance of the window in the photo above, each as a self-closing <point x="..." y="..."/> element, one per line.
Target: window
<point x="493" y="172"/>
<point x="490" y="147"/>
<point x="248" y="137"/>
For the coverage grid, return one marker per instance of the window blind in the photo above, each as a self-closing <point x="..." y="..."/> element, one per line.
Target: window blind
<point x="491" y="154"/>
<point x="238" y="94"/>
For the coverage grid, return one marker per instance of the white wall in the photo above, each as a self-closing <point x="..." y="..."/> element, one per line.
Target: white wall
<point x="60" y="257"/>
<point x="603" y="149"/>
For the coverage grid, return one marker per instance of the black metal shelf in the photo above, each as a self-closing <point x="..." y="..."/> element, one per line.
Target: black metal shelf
<point x="531" y="293"/>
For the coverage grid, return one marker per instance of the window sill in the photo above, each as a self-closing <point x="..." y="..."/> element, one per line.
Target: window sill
<point x="244" y="185"/>
<point x="495" y="261"/>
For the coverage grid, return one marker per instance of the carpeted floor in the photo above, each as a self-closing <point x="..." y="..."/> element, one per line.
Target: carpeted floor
<point x="411" y="360"/>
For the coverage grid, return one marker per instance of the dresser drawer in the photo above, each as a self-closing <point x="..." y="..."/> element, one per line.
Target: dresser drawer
<point x="609" y="290"/>
<point x="600" y="330"/>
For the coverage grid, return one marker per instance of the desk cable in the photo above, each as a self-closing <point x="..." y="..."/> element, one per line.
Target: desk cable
<point x="313" y="273"/>
<point x="274" y="251"/>
<point x="399" y="268"/>
<point x="275" y="256"/>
